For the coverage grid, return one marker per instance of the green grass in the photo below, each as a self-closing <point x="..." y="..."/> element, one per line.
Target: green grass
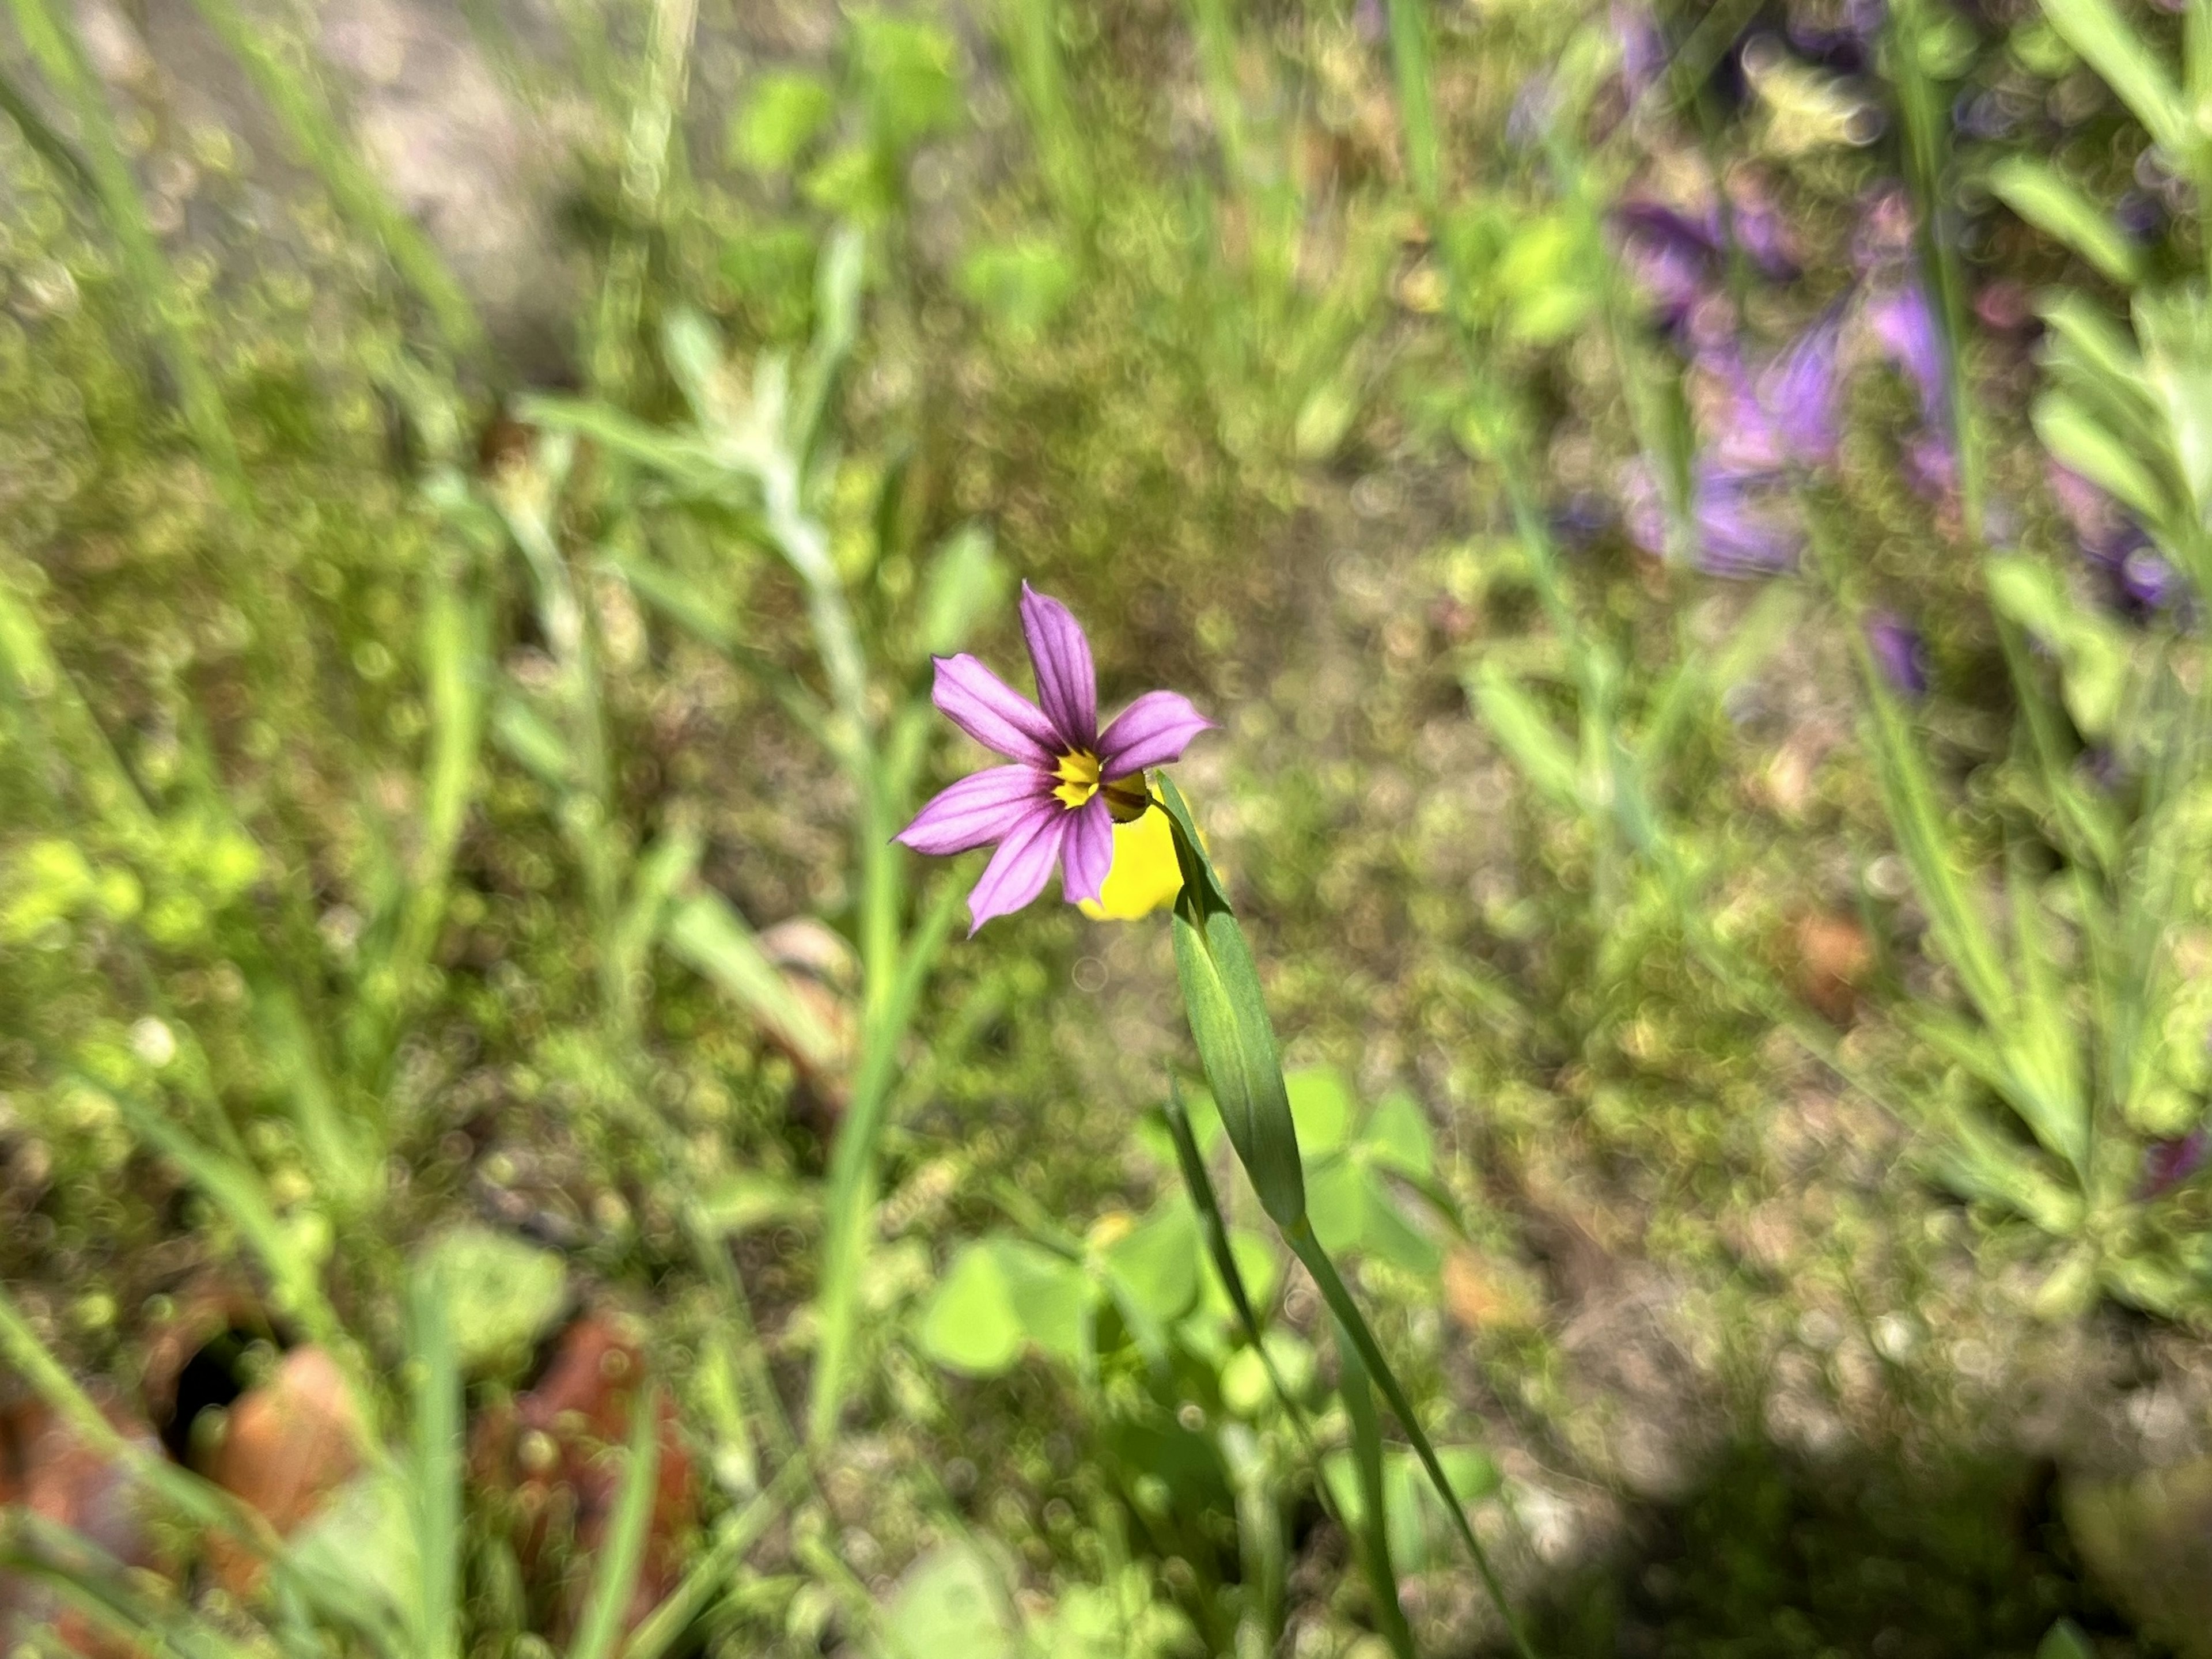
<point x="426" y="817"/>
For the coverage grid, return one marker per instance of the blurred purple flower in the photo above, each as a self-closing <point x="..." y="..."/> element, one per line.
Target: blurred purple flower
<point x="2140" y="213"/>
<point x="1787" y="412"/>
<point x="1669" y="256"/>
<point x="1370" y="22"/>
<point x="2139" y="577"/>
<point x="1743" y="520"/>
<point x="1898" y="652"/>
<point x="2168" y="1163"/>
<point x="1070" y="783"/>
<point x="1903" y="324"/>
<point x="1798" y="390"/>
<point x="1581" y="519"/>
<point x="1643" y="48"/>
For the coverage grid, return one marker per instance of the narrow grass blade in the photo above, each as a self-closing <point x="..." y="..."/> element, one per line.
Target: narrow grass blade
<point x="343" y="1165"/>
<point x="2051" y="202"/>
<point x="437" y="1472"/>
<point x="703" y="932"/>
<point x="849" y="1201"/>
<point x="1353" y="1324"/>
<point x="55" y="151"/>
<point x="1373" y="1509"/>
<point x="289" y="85"/>
<point x="2096" y="30"/>
<point x="614" y="1578"/>
<point x="52" y="37"/>
<point x="1409" y="57"/>
<point x="659" y="1630"/>
<point x="652" y="132"/>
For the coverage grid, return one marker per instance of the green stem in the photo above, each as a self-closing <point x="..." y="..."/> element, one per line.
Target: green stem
<point x="1309" y="1251"/>
<point x="851" y="1176"/>
<point x="53" y="39"/>
<point x="1375" y="1511"/>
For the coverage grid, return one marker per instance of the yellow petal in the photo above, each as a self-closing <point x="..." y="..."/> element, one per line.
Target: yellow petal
<point x="1144" y="876"/>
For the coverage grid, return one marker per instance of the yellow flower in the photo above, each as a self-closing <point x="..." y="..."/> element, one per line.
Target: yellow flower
<point x="1144" y="876"/>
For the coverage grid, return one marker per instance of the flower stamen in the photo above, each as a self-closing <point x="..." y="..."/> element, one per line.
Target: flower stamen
<point x="1078" y="773"/>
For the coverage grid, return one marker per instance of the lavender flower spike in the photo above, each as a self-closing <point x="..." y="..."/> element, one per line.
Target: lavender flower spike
<point x="1070" y="783"/>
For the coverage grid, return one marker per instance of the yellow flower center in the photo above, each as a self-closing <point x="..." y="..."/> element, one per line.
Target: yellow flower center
<point x="1078" y="778"/>
<point x="1078" y="772"/>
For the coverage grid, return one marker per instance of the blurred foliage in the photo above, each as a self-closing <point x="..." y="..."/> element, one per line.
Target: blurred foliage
<point x="446" y="897"/>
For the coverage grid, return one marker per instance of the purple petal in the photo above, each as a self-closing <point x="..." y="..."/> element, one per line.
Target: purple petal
<point x="1088" y="852"/>
<point x="1150" y="731"/>
<point x="2168" y="1163"/>
<point x="1067" y="685"/>
<point x="1905" y="325"/>
<point x="1745" y="524"/>
<point x="1019" y="869"/>
<point x="977" y="810"/>
<point x="992" y="712"/>
<point x="1798" y="393"/>
<point x="1898" y="651"/>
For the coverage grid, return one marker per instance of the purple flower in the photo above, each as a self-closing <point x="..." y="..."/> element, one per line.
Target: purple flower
<point x="1903" y="324"/>
<point x="1742" y="518"/>
<point x="1643" y="48"/>
<point x="2168" y="1163"/>
<point x="1744" y="523"/>
<point x="1070" y="783"/>
<point x="1669" y="254"/>
<point x="1898" y="652"/>
<point x="2139" y="576"/>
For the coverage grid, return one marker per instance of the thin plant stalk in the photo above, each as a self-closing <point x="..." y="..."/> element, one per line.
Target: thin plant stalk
<point x="52" y="36"/>
<point x="614" y="1577"/>
<point x="646" y="155"/>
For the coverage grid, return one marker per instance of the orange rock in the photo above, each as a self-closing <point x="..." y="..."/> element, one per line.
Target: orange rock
<point x="1833" y="956"/>
<point x="48" y="1469"/>
<point x="553" y="1453"/>
<point x="1483" y="1297"/>
<point x="289" y="1443"/>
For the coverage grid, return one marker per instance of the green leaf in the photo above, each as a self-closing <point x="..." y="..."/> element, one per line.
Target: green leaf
<point x="1322" y="1106"/>
<point x="1022" y="285"/>
<point x="909" y="78"/>
<point x="1527" y="737"/>
<point x="2092" y="651"/>
<point x="2076" y="438"/>
<point x="1336" y="1203"/>
<point x="1155" y="1264"/>
<point x="2043" y="197"/>
<point x="952" y="1604"/>
<point x="1398" y="1136"/>
<point x="1384" y="1231"/>
<point x="780" y="118"/>
<point x="499" y="1294"/>
<point x="970" y="1324"/>
<point x="2065" y="1640"/>
<point x="1051" y="1296"/>
<point x="1229" y="1022"/>
<point x="2096" y="30"/>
